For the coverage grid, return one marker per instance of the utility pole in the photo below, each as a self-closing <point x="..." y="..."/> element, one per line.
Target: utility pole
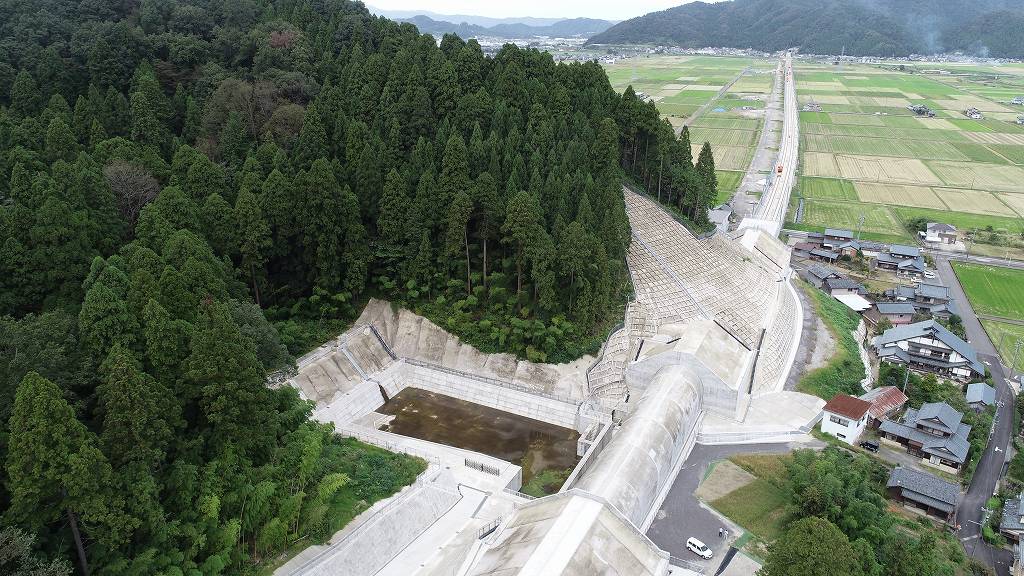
<point x="1016" y="354"/>
<point x="860" y="226"/>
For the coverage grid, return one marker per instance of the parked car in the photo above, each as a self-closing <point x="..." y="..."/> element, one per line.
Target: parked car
<point x="698" y="548"/>
<point x="869" y="446"/>
<point x="929" y="274"/>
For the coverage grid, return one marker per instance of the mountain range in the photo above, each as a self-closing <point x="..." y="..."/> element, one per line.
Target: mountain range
<point x="471" y="26"/>
<point x="857" y="27"/>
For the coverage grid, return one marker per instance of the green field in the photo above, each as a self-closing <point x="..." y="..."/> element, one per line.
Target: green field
<point x="993" y="290"/>
<point x="681" y="85"/>
<point x="759" y="507"/>
<point x="1005" y="336"/>
<point x="827" y="189"/>
<point x="728" y="182"/>
<point x="969" y="173"/>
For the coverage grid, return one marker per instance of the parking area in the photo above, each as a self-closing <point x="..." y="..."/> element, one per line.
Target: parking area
<point x="683" y="516"/>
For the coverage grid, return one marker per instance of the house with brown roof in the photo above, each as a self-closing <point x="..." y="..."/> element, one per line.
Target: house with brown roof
<point x="886" y="402"/>
<point x="845" y="417"/>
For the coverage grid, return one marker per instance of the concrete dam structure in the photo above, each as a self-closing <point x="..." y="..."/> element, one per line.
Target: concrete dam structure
<point x="702" y="355"/>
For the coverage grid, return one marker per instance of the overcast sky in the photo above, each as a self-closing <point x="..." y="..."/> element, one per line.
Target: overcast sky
<point x="607" y="9"/>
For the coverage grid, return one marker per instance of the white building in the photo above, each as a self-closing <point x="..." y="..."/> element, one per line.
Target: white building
<point x="929" y="347"/>
<point x="845" y="417"/>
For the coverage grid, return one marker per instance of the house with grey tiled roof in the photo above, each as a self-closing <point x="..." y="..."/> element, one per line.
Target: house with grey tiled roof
<point x="929" y="297"/>
<point x="1012" y="524"/>
<point x="924" y="493"/>
<point x="935" y="433"/>
<point x="980" y="396"/>
<point x="929" y="347"/>
<point x="834" y="237"/>
<point x="898" y="313"/>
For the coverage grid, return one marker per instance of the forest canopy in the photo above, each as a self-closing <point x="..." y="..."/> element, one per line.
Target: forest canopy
<point x="193" y="192"/>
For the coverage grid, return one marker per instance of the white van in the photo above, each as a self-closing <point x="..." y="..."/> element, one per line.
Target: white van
<point x="698" y="548"/>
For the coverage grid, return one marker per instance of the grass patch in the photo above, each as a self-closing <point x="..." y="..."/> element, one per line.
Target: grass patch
<point x="759" y="507"/>
<point x="844" y="370"/>
<point x="766" y="466"/>
<point x="992" y="290"/>
<point x="546" y="483"/>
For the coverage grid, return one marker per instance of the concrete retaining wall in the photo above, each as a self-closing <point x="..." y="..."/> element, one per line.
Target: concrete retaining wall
<point x="362" y="399"/>
<point x="493" y="396"/>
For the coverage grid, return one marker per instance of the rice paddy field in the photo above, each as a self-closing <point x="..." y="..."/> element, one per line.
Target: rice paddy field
<point x="732" y="119"/>
<point x="993" y="291"/>
<point x="863" y="152"/>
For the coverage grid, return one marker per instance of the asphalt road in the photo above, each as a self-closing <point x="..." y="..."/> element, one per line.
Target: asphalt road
<point x="970" y="514"/>
<point x="683" y="516"/>
<point x="775" y="202"/>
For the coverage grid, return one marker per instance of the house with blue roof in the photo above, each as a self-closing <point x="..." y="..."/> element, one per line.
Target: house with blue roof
<point x="929" y="347"/>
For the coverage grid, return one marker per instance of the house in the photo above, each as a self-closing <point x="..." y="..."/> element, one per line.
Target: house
<point x="826" y="255"/>
<point x="837" y="286"/>
<point x="929" y="347"/>
<point x="980" y="396"/>
<point x="834" y="238"/>
<point x="902" y="266"/>
<point x="845" y="417"/>
<point x="1012" y="524"/>
<point x="902" y="252"/>
<point x="803" y="249"/>
<point x="850" y="248"/>
<point x="885" y="402"/>
<point x="898" y="313"/>
<point x="935" y="433"/>
<point x="872" y="249"/>
<point x="924" y="493"/>
<point x="816" y="275"/>
<point x="928" y="297"/>
<point x="939" y="233"/>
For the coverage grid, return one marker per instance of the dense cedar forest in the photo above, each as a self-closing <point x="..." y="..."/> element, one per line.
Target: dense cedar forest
<point x="193" y="193"/>
<point x="857" y="27"/>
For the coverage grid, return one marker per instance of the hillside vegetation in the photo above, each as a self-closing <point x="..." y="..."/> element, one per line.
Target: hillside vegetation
<point x="860" y="27"/>
<point x="192" y="192"/>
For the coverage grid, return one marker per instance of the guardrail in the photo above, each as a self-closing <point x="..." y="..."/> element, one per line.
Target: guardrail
<point x="518" y="494"/>
<point x="481" y="467"/>
<point x="491" y="526"/>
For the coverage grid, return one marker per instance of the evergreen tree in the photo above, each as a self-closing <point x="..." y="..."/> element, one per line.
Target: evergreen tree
<point x="254" y="237"/>
<point x="224" y="368"/>
<point x="56" y="471"/>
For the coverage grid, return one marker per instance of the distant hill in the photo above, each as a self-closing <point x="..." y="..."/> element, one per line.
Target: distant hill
<point x="863" y="27"/>
<point x="584" y="27"/>
<point x="485" y="21"/>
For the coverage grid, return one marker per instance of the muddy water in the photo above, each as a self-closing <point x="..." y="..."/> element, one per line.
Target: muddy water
<point x="532" y="444"/>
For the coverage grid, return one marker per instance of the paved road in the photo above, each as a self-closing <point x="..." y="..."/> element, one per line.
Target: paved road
<point x="770" y="212"/>
<point x="990" y="468"/>
<point x="975" y="259"/>
<point x="682" y="515"/>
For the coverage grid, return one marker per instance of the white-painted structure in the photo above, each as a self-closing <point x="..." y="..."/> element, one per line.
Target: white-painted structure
<point x="845" y="417"/>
